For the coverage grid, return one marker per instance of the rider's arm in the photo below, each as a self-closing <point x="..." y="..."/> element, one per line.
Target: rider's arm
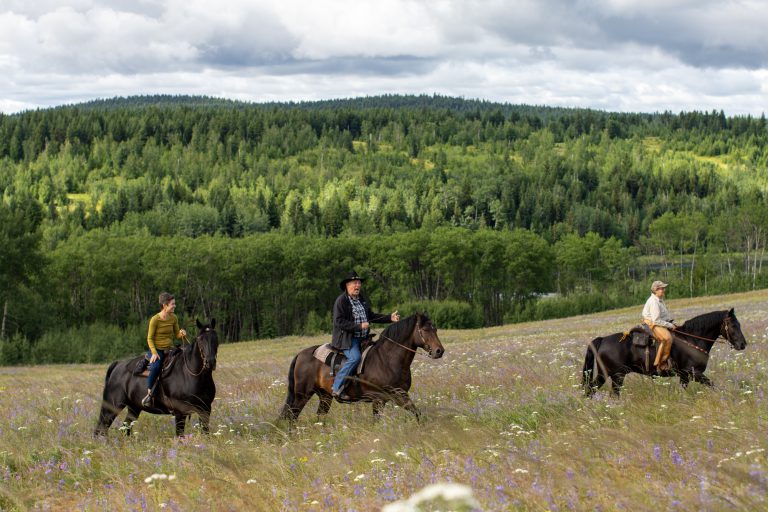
<point x="151" y="335"/>
<point x="341" y="317"/>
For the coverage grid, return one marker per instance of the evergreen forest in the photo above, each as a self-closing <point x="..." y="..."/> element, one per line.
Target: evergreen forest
<point x="478" y="213"/>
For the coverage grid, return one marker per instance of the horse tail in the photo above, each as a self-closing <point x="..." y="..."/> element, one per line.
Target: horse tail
<point x="106" y="378"/>
<point x="590" y="368"/>
<point x="289" y="400"/>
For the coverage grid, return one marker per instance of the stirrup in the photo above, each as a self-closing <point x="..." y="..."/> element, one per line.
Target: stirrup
<point x="147" y="400"/>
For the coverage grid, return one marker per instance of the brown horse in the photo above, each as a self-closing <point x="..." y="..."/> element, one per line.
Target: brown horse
<point x="386" y="375"/>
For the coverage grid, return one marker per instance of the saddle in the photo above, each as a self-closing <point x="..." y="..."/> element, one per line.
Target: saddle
<point x="642" y="339"/>
<point x="142" y="365"/>
<point x="335" y="358"/>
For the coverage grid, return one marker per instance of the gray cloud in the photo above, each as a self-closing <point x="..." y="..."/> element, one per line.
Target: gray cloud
<point x="647" y="55"/>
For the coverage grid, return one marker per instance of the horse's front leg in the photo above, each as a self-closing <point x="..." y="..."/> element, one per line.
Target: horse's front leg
<point x="700" y="377"/>
<point x="205" y="419"/>
<point x="377" y="405"/>
<point x="404" y="401"/>
<point x="685" y="378"/>
<point x="181" y="423"/>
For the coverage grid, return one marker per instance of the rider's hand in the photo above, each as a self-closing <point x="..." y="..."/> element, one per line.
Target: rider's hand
<point x="154" y="358"/>
<point x="395" y="316"/>
<point x="182" y="332"/>
<point x="364" y="325"/>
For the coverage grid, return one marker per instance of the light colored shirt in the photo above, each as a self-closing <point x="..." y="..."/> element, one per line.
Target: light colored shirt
<point x="656" y="312"/>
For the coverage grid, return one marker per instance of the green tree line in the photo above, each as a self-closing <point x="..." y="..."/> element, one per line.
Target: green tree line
<point x="474" y="210"/>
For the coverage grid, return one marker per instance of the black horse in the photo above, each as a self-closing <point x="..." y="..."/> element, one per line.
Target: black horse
<point x="185" y="387"/>
<point x="386" y="374"/>
<point x="614" y="356"/>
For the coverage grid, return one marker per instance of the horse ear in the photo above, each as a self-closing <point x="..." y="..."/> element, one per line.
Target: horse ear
<point x="213" y="323"/>
<point x="199" y="325"/>
<point x="731" y="313"/>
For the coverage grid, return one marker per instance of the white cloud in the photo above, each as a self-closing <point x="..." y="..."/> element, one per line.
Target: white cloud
<point x="627" y="55"/>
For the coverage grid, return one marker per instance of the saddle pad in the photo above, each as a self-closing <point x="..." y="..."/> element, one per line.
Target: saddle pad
<point x="323" y="351"/>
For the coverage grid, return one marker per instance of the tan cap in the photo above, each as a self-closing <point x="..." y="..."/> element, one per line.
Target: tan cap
<point x="658" y="284"/>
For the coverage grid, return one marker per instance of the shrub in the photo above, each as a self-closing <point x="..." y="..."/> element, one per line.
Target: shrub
<point x="446" y="314"/>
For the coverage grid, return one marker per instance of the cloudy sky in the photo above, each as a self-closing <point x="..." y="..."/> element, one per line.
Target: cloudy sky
<point x="616" y="55"/>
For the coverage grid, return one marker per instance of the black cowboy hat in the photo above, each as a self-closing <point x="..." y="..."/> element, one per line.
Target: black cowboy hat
<point x="352" y="276"/>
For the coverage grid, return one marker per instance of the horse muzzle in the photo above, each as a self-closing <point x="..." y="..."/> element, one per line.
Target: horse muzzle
<point x="436" y="353"/>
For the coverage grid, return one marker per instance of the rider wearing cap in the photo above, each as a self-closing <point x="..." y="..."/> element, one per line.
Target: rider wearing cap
<point x="657" y="317"/>
<point x="351" y="317"/>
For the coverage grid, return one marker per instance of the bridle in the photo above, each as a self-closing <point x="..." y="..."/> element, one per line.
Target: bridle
<point x="202" y="356"/>
<point x="415" y="351"/>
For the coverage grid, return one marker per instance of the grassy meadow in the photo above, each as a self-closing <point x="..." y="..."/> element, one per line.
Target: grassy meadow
<point x="503" y="413"/>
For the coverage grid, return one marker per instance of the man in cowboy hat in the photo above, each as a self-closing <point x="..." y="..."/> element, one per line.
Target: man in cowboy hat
<point x="657" y="317"/>
<point x="351" y="318"/>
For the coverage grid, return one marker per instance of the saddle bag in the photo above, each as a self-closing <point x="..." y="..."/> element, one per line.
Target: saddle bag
<point x="641" y="339"/>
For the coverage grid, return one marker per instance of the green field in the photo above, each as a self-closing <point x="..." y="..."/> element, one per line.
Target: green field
<point x="503" y="413"/>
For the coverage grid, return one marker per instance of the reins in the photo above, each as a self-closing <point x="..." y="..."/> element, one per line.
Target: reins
<point x="716" y="340"/>
<point x="415" y="351"/>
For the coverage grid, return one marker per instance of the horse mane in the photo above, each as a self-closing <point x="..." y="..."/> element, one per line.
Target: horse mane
<point x="704" y="321"/>
<point x="399" y="330"/>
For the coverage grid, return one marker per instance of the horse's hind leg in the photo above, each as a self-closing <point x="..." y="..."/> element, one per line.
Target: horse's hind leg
<point x="592" y="385"/>
<point x="107" y="415"/>
<point x="326" y="400"/>
<point x="130" y="418"/>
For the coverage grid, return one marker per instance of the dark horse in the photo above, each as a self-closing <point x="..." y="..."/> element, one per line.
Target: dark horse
<point x="616" y="357"/>
<point x="386" y="374"/>
<point x="186" y="387"/>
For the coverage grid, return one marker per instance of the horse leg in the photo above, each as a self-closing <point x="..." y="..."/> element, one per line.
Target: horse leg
<point x="591" y="386"/>
<point x="617" y="381"/>
<point x="205" y="419"/>
<point x="700" y="377"/>
<point x="180" y="421"/>
<point x="377" y="405"/>
<point x="685" y="378"/>
<point x="130" y="418"/>
<point x="107" y="415"/>
<point x="404" y="400"/>
<point x="326" y="400"/>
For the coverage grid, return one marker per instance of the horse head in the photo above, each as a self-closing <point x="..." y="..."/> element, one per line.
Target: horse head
<point x="730" y="329"/>
<point x="207" y="343"/>
<point x="425" y="336"/>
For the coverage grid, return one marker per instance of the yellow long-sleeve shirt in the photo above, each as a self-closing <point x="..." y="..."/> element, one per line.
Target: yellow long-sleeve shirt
<point x="161" y="332"/>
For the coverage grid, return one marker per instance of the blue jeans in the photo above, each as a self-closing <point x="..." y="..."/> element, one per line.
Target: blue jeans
<point x="353" y="359"/>
<point x="154" y="368"/>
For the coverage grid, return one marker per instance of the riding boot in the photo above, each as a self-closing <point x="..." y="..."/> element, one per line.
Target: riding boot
<point x="147" y="400"/>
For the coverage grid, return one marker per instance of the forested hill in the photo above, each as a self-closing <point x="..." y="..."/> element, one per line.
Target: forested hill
<point x="488" y="205"/>
<point x="393" y="101"/>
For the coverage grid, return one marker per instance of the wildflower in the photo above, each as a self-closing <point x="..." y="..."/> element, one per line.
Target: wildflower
<point x="459" y="497"/>
<point x="359" y="477"/>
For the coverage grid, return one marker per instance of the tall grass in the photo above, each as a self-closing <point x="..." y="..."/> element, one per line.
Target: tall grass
<point x="503" y="413"/>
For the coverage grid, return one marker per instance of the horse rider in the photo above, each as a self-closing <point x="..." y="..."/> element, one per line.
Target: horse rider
<point x="163" y="327"/>
<point x="657" y="317"/>
<point x="352" y="316"/>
